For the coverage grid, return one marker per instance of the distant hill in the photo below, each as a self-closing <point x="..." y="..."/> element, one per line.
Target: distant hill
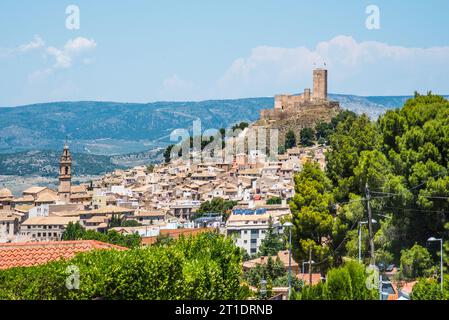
<point x="46" y="163"/>
<point x="109" y="128"/>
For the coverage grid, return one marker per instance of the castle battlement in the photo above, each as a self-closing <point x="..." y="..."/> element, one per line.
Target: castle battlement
<point x="287" y="105"/>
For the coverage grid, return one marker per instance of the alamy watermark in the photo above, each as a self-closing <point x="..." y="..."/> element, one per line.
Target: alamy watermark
<point x="72" y="282"/>
<point x="72" y="21"/>
<point x="373" y="20"/>
<point x="213" y="146"/>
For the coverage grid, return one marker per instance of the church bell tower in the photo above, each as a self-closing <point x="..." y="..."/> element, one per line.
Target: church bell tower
<point x="65" y="175"/>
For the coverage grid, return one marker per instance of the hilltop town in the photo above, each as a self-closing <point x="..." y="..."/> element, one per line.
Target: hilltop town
<point x="165" y="199"/>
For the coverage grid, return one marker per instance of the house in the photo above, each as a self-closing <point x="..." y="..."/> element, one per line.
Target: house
<point x="248" y="228"/>
<point x="305" y="277"/>
<point x="29" y="254"/>
<point x="148" y="217"/>
<point x="45" y="228"/>
<point x="283" y="257"/>
<point x="43" y="193"/>
<point x="9" y="225"/>
<point x="175" y="234"/>
<point x="6" y="198"/>
<point x="184" y="209"/>
<point x="107" y="211"/>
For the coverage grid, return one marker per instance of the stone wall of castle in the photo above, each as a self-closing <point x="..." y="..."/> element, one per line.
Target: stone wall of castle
<point x="288" y="105"/>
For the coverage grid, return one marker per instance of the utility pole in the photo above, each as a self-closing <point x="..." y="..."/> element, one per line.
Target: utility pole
<point x="310" y="266"/>
<point x="370" y="226"/>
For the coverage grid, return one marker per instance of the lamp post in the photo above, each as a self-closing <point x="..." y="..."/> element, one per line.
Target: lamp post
<point x="289" y="226"/>
<point x="360" y="237"/>
<point x="433" y="239"/>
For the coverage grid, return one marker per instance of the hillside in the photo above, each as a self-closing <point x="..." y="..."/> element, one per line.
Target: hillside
<point x="109" y="128"/>
<point x="114" y="128"/>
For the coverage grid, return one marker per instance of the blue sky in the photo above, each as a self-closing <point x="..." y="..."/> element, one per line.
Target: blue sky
<point x="144" y="51"/>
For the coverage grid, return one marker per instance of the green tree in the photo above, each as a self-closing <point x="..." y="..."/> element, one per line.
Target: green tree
<point x="131" y="223"/>
<point x="74" y="231"/>
<point x="274" y="200"/>
<point x="290" y="140"/>
<point x="307" y="137"/>
<point x="338" y="285"/>
<point x="216" y="205"/>
<point x="313" y="222"/>
<point x="272" y="243"/>
<point x="347" y="282"/>
<point x="429" y="289"/>
<point x="415" y="262"/>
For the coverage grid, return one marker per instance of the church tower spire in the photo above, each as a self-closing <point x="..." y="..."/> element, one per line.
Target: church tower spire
<point x="65" y="175"/>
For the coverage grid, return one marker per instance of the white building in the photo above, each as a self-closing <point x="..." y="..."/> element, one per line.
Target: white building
<point x="249" y="226"/>
<point x="45" y="228"/>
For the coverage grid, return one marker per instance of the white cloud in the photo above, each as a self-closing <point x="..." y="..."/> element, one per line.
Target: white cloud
<point x="36" y="43"/>
<point x="74" y="47"/>
<point x="355" y="67"/>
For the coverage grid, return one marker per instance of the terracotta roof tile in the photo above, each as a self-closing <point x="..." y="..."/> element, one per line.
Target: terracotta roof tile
<point x="35" y="253"/>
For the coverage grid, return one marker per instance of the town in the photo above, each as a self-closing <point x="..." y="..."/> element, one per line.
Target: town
<point x="240" y="189"/>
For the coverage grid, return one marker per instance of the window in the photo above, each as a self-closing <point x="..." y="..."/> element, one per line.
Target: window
<point x="38" y="234"/>
<point x="255" y="232"/>
<point x="253" y="250"/>
<point x="253" y="241"/>
<point x="245" y="241"/>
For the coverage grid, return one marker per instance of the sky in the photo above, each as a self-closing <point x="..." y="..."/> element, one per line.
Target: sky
<point x="145" y="51"/>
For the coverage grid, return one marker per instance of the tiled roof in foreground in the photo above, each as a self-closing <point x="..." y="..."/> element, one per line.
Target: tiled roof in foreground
<point x="36" y="253"/>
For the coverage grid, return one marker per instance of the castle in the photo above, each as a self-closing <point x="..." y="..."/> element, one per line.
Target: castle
<point x="287" y="105"/>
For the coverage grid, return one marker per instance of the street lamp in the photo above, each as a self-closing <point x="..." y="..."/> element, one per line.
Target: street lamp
<point x="360" y="237"/>
<point x="289" y="226"/>
<point x="433" y="239"/>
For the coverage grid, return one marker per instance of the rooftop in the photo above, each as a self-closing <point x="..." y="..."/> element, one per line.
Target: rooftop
<point x="31" y="254"/>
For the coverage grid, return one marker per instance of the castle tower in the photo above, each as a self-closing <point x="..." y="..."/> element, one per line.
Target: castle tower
<point x="65" y="175"/>
<point x="319" y="85"/>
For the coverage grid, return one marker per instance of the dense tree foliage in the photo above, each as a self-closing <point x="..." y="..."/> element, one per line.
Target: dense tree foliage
<point x="75" y="231"/>
<point x="314" y="224"/>
<point x="272" y="243"/>
<point x="216" y="205"/>
<point x="207" y="266"/>
<point x="415" y="262"/>
<point x="274" y="200"/>
<point x="344" y="283"/>
<point x="307" y="137"/>
<point x="430" y="289"/>
<point x="290" y="140"/>
<point x="403" y="158"/>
